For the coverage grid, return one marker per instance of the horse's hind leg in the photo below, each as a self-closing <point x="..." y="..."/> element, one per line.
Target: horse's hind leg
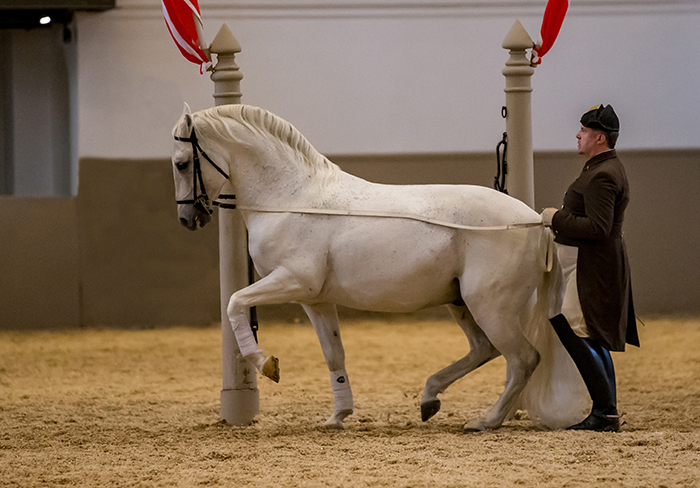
<point x="481" y="351"/>
<point x="505" y="333"/>
<point x="324" y="318"/>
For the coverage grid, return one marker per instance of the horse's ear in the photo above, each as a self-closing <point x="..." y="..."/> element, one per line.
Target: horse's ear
<point x="187" y="117"/>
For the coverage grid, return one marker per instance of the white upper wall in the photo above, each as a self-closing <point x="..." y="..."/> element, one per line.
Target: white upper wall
<point x="391" y="76"/>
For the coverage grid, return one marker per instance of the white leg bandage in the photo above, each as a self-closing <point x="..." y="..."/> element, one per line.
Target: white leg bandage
<point x="342" y="393"/>
<point x="244" y="335"/>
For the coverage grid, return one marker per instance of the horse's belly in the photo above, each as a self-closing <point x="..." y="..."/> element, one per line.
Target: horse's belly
<point x="397" y="266"/>
<point x="400" y="301"/>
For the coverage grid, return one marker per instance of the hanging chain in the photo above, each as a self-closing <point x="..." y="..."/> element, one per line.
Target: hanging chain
<point x="501" y="162"/>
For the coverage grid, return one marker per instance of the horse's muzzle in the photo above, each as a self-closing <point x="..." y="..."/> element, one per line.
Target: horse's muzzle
<point x="193" y="217"/>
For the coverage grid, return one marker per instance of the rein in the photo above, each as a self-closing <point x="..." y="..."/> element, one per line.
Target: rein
<point x="201" y="200"/>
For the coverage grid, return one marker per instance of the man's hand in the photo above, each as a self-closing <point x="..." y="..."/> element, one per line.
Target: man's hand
<point x="547" y="216"/>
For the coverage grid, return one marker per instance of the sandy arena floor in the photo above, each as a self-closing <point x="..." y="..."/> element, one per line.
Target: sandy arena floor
<point x="140" y="408"/>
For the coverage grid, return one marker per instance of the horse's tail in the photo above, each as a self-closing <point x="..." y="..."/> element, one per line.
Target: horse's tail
<point x="555" y="397"/>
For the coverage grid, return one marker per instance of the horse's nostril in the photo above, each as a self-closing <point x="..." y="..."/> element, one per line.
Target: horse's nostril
<point x="183" y="221"/>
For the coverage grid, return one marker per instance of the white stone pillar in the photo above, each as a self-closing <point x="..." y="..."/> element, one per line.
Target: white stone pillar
<point x="520" y="180"/>
<point x="239" y="394"/>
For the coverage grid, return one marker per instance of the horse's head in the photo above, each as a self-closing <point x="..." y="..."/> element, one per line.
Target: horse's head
<point x="194" y="176"/>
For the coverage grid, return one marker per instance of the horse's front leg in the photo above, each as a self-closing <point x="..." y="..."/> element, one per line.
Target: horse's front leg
<point x="280" y="286"/>
<point x="324" y="318"/>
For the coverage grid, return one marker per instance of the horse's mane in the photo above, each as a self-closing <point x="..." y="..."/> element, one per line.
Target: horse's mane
<point x="273" y="128"/>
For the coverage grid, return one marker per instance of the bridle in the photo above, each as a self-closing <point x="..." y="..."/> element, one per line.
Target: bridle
<point x="200" y="198"/>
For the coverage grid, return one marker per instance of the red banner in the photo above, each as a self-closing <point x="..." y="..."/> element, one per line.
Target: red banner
<point x="554" y="15"/>
<point x="181" y="17"/>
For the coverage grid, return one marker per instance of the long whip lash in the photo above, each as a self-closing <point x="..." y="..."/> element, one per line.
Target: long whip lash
<point x="386" y="215"/>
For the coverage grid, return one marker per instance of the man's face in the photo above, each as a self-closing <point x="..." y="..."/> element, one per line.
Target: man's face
<point x="589" y="141"/>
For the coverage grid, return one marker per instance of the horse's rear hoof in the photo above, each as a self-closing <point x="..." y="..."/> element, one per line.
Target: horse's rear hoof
<point x="271" y="368"/>
<point x="428" y="409"/>
<point x="477" y="425"/>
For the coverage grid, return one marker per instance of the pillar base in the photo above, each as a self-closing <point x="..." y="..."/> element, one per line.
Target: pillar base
<point x="239" y="407"/>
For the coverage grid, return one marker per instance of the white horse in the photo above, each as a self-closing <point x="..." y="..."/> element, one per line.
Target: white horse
<point x="321" y="237"/>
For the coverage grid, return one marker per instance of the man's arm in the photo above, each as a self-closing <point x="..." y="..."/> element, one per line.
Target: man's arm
<point x="599" y="200"/>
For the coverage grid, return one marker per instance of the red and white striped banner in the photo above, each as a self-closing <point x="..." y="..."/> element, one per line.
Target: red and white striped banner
<point x="554" y="15"/>
<point x="183" y="19"/>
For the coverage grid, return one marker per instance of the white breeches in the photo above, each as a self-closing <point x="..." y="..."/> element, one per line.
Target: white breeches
<point x="571" y="308"/>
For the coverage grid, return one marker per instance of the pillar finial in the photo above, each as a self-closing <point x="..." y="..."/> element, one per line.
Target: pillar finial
<point x="225" y="42"/>
<point x="226" y="74"/>
<point x="518" y="39"/>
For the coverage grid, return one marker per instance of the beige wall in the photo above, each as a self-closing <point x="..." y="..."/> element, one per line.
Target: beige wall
<point x="117" y="256"/>
<point x="138" y="265"/>
<point x="39" y="273"/>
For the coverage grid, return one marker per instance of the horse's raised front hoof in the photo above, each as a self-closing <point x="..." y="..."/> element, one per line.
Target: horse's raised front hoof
<point x="271" y="368"/>
<point x="476" y="425"/>
<point x="429" y="409"/>
<point x="336" y="420"/>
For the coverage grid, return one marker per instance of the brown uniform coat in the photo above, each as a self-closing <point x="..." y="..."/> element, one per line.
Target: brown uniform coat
<point x="591" y="219"/>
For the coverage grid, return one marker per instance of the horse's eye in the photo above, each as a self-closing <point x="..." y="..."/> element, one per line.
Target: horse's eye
<point x="181" y="165"/>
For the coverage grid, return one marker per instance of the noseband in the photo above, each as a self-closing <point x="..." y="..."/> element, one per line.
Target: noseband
<point x="201" y="199"/>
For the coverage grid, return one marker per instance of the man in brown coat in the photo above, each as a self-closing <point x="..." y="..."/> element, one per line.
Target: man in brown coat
<point x="598" y="313"/>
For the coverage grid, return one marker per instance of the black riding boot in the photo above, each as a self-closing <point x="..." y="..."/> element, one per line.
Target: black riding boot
<point x="596" y="367"/>
<point x="604" y="356"/>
